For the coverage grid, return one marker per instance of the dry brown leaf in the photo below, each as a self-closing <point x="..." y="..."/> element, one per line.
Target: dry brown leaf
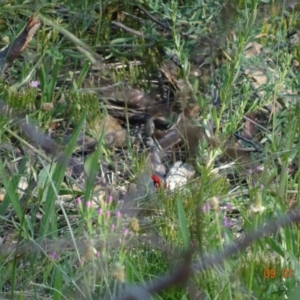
<point x="13" y="50"/>
<point x="126" y="97"/>
<point x="187" y="132"/>
<point x="170" y="138"/>
<point x="109" y="128"/>
<point x="250" y="129"/>
<point x="159" y="110"/>
<point x="259" y="78"/>
<point x="252" y="49"/>
<point x="116" y="139"/>
<point x="103" y="126"/>
<point x="191" y="133"/>
<point x="170" y="70"/>
<point x="237" y="153"/>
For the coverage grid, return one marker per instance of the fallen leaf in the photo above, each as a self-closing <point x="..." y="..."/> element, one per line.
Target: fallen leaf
<point x="250" y="130"/>
<point x="252" y="49"/>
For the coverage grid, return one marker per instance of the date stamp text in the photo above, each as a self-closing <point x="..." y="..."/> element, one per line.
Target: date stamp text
<point x="273" y="273"/>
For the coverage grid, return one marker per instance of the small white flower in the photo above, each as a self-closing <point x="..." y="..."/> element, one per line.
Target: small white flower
<point x="34" y="83"/>
<point x="257" y="209"/>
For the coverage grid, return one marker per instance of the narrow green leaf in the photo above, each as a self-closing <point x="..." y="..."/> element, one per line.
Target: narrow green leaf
<point x="11" y="194"/>
<point x="57" y="284"/>
<point x="183" y="222"/>
<point x="49" y="216"/>
<point x="275" y="246"/>
<point x="92" y="167"/>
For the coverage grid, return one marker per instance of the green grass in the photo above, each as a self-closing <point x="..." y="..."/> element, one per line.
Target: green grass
<point x="71" y="248"/>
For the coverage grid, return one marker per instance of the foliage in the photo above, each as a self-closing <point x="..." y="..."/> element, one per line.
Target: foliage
<point x="63" y="245"/>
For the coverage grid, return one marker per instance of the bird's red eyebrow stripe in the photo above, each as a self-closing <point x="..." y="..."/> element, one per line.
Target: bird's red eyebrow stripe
<point x="156" y="179"/>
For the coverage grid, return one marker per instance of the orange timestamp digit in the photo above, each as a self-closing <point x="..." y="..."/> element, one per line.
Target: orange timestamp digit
<point x="287" y="273"/>
<point x="271" y="273"/>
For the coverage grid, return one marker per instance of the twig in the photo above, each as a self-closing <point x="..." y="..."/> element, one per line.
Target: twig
<point x="132" y="31"/>
<point x="252" y="143"/>
<point x="167" y="27"/>
<point x="154" y="19"/>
